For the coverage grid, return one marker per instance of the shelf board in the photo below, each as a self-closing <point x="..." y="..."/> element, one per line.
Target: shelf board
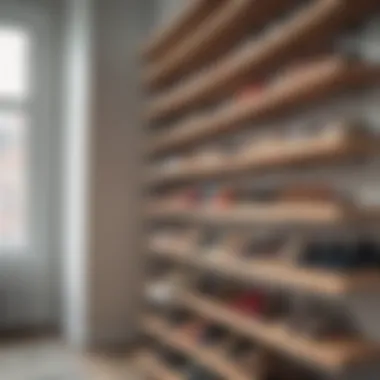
<point x="163" y="40"/>
<point x="150" y="365"/>
<point x="215" y="36"/>
<point x="275" y="273"/>
<point x="311" y="214"/>
<point x="208" y="357"/>
<point x="317" y="150"/>
<point x="315" y="82"/>
<point x="331" y="356"/>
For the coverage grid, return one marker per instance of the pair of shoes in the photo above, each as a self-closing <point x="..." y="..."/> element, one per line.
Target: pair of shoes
<point x="339" y="255"/>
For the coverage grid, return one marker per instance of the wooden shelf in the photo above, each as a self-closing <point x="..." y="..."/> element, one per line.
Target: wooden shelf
<point x="171" y="35"/>
<point x="305" y="214"/>
<point x="210" y="358"/>
<point x="150" y="365"/>
<point x="275" y="273"/>
<point x="317" y="81"/>
<point x="328" y="355"/>
<point x="317" y="150"/>
<point x="198" y="70"/>
<point x="215" y="36"/>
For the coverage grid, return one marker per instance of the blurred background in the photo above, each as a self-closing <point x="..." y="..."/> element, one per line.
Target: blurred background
<point x="189" y="189"/>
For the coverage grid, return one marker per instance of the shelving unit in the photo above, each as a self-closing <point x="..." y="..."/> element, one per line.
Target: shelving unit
<point x="223" y="68"/>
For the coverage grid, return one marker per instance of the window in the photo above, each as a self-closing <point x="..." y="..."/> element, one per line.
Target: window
<point x="14" y="93"/>
<point x="13" y="64"/>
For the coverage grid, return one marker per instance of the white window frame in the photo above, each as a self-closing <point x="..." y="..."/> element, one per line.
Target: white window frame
<point x="37" y="110"/>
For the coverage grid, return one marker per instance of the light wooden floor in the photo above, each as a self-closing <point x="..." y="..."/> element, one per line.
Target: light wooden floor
<point x="105" y="368"/>
<point x="51" y="360"/>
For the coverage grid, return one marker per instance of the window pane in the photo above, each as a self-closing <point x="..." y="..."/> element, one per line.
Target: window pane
<point x="14" y="62"/>
<point x="13" y="181"/>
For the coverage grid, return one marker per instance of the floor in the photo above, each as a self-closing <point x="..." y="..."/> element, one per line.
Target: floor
<point x="51" y="360"/>
<point x="103" y="368"/>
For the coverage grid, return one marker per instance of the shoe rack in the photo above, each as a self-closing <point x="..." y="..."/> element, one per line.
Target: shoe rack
<point x="246" y="280"/>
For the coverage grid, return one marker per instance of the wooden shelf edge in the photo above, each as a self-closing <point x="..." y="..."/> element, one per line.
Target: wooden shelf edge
<point x="312" y="214"/>
<point x="277" y="273"/>
<point x="312" y="151"/>
<point x="203" y="355"/>
<point x="320" y="79"/>
<point x="330" y="356"/>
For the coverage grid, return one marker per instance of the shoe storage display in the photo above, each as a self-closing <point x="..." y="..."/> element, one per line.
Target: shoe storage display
<point x="256" y="232"/>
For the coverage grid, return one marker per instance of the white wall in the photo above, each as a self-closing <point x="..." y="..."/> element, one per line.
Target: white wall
<point x="77" y="137"/>
<point x="103" y="152"/>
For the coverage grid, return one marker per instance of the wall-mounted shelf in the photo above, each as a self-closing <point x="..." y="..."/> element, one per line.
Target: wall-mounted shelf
<point x="295" y="213"/>
<point x="311" y="151"/>
<point x="208" y="357"/>
<point x="226" y="25"/>
<point x="274" y="273"/>
<point x="223" y="67"/>
<point x="316" y="82"/>
<point x="331" y="355"/>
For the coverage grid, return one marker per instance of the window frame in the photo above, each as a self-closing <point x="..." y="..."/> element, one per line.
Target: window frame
<point x="36" y="108"/>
